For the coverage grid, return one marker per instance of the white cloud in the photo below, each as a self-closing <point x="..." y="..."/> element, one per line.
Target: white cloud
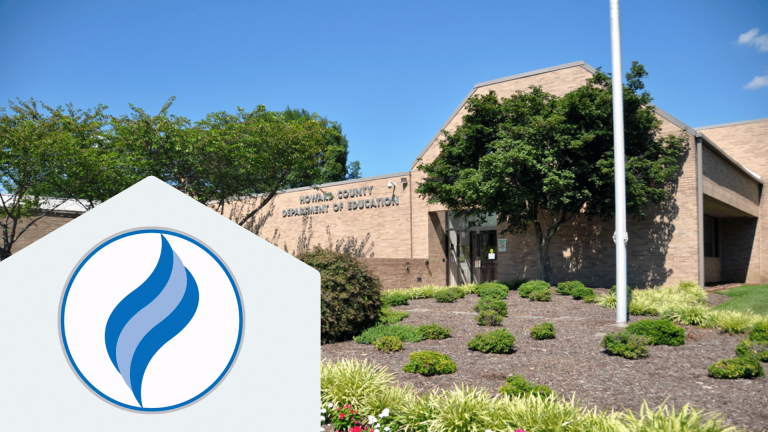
<point x="757" y="82"/>
<point x="753" y="37"/>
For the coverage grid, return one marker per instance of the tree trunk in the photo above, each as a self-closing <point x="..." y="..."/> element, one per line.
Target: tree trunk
<point x="4" y="254"/>
<point x="545" y="269"/>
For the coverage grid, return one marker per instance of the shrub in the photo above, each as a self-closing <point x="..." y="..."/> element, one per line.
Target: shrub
<point x="643" y="307"/>
<point x="449" y="295"/>
<point x="739" y="367"/>
<point x="349" y="381"/>
<point x="625" y="344"/>
<point x="748" y="348"/>
<point x="499" y="341"/>
<point x="496" y="305"/>
<point x="406" y="333"/>
<point x="582" y="292"/>
<point x="517" y="386"/>
<point x="391" y="316"/>
<point x="613" y="291"/>
<point x="661" y="331"/>
<point x="543" y="331"/>
<point x="759" y="331"/>
<point x="430" y="363"/>
<point x="730" y="321"/>
<point x="492" y="291"/>
<point x="540" y="295"/>
<point x="694" y="314"/>
<point x="388" y="344"/>
<point x="565" y="288"/>
<point x="350" y="299"/>
<point x="434" y="331"/>
<point x="395" y="299"/>
<point x="513" y="285"/>
<point x="529" y="287"/>
<point x="489" y="317"/>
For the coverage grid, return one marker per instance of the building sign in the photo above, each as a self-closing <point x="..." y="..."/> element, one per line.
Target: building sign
<point x="502" y="245"/>
<point x="356" y="199"/>
<point x="154" y="313"/>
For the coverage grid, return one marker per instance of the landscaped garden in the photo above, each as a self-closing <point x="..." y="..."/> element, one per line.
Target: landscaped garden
<point x="535" y="358"/>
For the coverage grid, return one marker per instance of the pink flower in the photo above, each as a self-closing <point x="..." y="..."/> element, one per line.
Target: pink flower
<point x="341" y="416"/>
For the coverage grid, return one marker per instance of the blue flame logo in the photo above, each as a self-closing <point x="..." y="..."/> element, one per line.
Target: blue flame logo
<point x="149" y="317"/>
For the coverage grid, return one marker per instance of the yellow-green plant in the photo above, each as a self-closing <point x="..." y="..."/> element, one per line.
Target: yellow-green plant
<point x="465" y="409"/>
<point x="731" y="321"/>
<point x="665" y="419"/>
<point x="352" y="382"/>
<point x="371" y="389"/>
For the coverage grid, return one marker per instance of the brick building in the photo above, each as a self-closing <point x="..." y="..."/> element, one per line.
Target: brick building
<point x="709" y="231"/>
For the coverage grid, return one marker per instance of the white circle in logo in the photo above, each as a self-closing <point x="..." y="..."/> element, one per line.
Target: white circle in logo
<point x="151" y="320"/>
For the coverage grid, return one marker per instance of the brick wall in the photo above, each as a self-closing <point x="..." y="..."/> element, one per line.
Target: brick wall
<point x="740" y="259"/>
<point x="748" y="145"/>
<point x="381" y="231"/>
<point x="40" y="229"/>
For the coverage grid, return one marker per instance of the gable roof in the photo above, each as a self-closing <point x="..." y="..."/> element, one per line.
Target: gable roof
<point x="580" y="63"/>
<point x="734" y="123"/>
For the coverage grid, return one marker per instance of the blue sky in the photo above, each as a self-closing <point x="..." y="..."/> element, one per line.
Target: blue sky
<point x="390" y="72"/>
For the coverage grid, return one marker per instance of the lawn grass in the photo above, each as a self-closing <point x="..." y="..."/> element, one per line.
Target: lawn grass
<point x="749" y="298"/>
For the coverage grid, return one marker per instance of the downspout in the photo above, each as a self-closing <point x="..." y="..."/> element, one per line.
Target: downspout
<point x="700" y="207"/>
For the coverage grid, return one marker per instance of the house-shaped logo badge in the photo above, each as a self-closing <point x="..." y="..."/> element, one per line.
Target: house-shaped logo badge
<point x="153" y="303"/>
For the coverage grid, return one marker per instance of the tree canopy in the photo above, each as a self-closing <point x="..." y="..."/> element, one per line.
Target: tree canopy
<point x="538" y="160"/>
<point x="51" y="155"/>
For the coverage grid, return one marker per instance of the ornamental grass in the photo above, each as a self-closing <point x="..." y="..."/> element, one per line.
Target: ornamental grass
<point x="371" y="389"/>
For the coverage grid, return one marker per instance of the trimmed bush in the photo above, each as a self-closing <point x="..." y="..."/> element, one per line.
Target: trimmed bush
<point x="543" y="331"/>
<point x="625" y="344"/>
<point x="449" y="295"/>
<point x="434" y="331"/>
<point x="513" y="285"/>
<point x="388" y="344"/>
<point x="489" y="317"/>
<point x="529" y="287"/>
<point x="748" y="348"/>
<point x="492" y="291"/>
<point x="759" y="332"/>
<point x="661" y="331"/>
<point x="540" y="295"/>
<point x="395" y="299"/>
<point x="496" y="305"/>
<point x="517" y="386"/>
<point x="430" y="363"/>
<point x="391" y="316"/>
<point x="739" y="367"/>
<point x="582" y="293"/>
<point x="406" y="333"/>
<point x="629" y="291"/>
<point x="350" y="294"/>
<point x="499" y="341"/>
<point x="565" y="288"/>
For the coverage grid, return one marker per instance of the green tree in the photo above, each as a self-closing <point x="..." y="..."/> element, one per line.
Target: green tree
<point x="538" y="160"/>
<point x="333" y="153"/>
<point x="224" y="157"/>
<point x="51" y="156"/>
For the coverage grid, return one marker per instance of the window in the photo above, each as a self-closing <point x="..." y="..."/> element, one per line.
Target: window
<point x="711" y="237"/>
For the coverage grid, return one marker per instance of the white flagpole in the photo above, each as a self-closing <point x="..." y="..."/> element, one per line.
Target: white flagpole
<point x="622" y="315"/>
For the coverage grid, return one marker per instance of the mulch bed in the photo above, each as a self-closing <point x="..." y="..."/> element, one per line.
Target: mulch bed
<point x="574" y="362"/>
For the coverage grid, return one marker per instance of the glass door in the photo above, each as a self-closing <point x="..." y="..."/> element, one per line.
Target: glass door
<point x="459" y="258"/>
<point x="484" y="255"/>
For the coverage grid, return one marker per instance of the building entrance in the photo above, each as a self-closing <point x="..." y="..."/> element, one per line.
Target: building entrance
<point x="471" y="252"/>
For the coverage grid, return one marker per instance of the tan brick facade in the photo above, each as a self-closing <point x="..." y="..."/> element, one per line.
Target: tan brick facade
<point x="40" y="229"/>
<point x="403" y="239"/>
<point x="745" y="247"/>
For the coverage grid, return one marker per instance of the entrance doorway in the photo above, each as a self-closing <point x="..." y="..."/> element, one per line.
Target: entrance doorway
<point x="472" y="255"/>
